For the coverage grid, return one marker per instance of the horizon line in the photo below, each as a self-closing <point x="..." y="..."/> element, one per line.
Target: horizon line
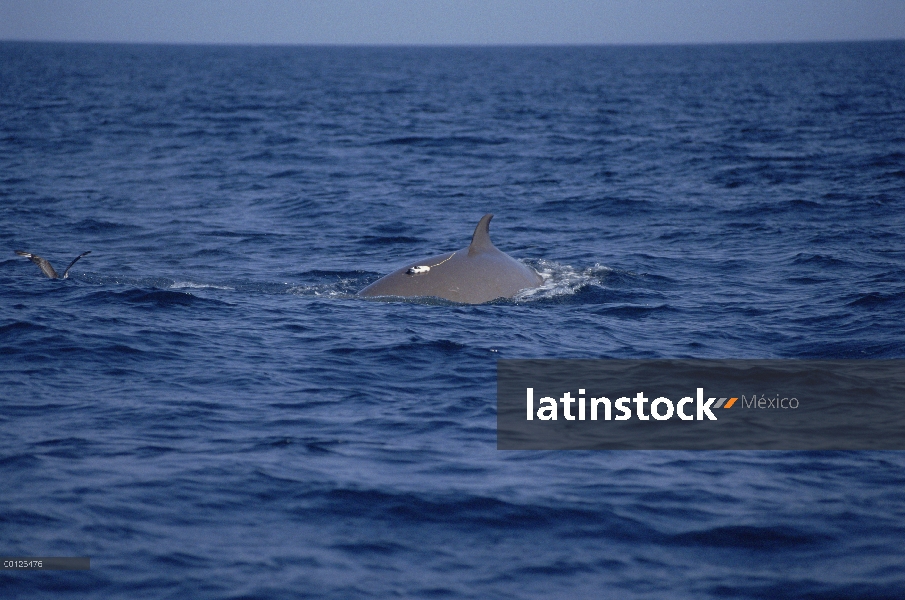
<point x="452" y="44"/>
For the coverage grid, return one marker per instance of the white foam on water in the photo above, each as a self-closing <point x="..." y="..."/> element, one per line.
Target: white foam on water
<point x="561" y="280"/>
<point x="182" y="285"/>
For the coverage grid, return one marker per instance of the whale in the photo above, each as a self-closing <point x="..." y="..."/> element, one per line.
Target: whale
<point x="474" y="275"/>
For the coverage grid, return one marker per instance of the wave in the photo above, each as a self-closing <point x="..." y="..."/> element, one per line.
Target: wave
<point x="156" y="298"/>
<point x="442" y="141"/>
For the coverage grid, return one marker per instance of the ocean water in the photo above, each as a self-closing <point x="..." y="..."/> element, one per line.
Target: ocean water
<point x="207" y="411"/>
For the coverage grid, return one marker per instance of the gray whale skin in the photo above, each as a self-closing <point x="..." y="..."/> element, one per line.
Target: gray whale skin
<point x="473" y="275"/>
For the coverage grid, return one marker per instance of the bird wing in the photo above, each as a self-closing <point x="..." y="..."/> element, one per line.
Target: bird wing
<point x="43" y="263"/>
<point x="75" y="260"/>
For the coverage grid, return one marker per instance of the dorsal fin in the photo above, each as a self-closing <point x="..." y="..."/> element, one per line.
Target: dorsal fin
<point x="480" y="241"/>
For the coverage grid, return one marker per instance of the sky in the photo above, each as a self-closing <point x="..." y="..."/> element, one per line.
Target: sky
<point x="443" y="22"/>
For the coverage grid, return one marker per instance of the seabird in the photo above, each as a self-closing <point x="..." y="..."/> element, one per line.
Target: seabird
<point x="45" y="264"/>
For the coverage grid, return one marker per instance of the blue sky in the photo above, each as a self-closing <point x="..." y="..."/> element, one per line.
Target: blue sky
<point x="451" y="21"/>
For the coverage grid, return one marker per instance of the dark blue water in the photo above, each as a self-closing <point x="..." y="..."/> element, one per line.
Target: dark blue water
<point x="206" y="410"/>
